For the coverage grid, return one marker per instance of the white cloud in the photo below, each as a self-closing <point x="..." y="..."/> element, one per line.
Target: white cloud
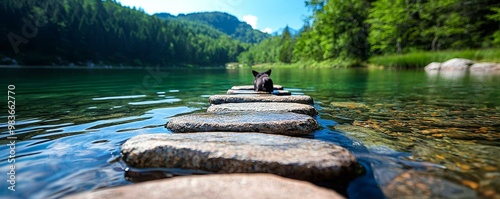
<point x="267" y="30"/>
<point x="251" y="20"/>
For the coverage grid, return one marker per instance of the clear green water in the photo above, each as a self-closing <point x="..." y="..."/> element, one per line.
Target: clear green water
<point x="70" y="123"/>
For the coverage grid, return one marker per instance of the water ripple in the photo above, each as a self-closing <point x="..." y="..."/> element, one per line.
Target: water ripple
<point x="119" y="97"/>
<point x="51" y="168"/>
<point x="155" y="102"/>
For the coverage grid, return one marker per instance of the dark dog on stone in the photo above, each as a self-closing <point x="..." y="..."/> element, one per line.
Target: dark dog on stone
<point x="262" y="81"/>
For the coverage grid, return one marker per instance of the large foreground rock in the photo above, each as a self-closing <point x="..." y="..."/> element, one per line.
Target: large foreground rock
<point x="250" y="87"/>
<point x="224" y="152"/>
<point x="277" y="107"/>
<point x="222" y="99"/>
<point x="252" y="92"/>
<point x="223" y="186"/>
<point x="264" y="122"/>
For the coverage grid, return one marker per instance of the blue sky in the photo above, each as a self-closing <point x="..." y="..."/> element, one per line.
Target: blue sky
<point x="264" y="15"/>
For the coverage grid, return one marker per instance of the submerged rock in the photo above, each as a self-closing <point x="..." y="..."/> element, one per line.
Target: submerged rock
<point x="413" y="184"/>
<point x="216" y="186"/>
<point x="264" y="122"/>
<point x="264" y="107"/>
<point x="226" y="152"/>
<point x="351" y="105"/>
<point x="250" y="87"/>
<point x="374" y="140"/>
<point x="222" y="99"/>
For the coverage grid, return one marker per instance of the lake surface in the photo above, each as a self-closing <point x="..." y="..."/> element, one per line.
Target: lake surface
<point x="70" y="123"/>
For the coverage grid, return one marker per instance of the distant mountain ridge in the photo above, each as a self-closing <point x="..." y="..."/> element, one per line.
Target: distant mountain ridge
<point x="223" y="22"/>
<point x="293" y="32"/>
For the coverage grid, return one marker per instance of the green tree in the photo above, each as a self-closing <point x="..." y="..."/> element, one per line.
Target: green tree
<point x="339" y="29"/>
<point x="267" y="51"/>
<point x="286" y="45"/>
<point x="306" y="47"/>
<point x="103" y="31"/>
<point x="496" y="17"/>
<point x="445" y="22"/>
<point x="390" y="23"/>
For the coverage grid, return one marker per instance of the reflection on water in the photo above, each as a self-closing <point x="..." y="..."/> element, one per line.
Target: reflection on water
<point x="169" y="100"/>
<point x="119" y="97"/>
<point x="401" y="125"/>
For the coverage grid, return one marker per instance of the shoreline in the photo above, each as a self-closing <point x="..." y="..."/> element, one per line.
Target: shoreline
<point x="107" y="67"/>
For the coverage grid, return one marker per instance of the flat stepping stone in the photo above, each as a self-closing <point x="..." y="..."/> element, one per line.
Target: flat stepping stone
<point x="222" y="99"/>
<point x="279" y="107"/>
<point x="222" y="186"/>
<point x="264" y="122"/>
<point x="252" y="92"/>
<point x="250" y="87"/>
<point x="230" y="152"/>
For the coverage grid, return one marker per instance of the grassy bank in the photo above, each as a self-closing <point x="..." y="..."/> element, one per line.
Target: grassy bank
<point x="409" y="60"/>
<point x="421" y="59"/>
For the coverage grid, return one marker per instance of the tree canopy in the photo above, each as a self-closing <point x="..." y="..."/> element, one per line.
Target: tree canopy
<point x="104" y="32"/>
<point x="353" y="30"/>
<point x="347" y="31"/>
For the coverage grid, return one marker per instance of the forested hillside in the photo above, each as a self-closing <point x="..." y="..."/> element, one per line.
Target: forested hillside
<point x="342" y="32"/>
<point x="103" y="32"/>
<point x="223" y="22"/>
<point x="347" y="32"/>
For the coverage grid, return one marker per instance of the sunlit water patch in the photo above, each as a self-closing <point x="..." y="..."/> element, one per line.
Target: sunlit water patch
<point x="119" y="97"/>
<point x="72" y="158"/>
<point x="168" y="100"/>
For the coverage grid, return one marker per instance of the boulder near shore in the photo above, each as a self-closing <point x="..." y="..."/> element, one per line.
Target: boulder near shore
<point x="460" y="64"/>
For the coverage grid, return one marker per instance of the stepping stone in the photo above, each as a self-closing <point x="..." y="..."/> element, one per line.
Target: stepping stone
<point x="264" y="122"/>
<point x="250" y="87"/>
<point x="278" y="107"/>
<point x="230" y="152"/>
<point x="222" y="99"/>
<point x="252" y="92"/>
<point x="222" y="186"/>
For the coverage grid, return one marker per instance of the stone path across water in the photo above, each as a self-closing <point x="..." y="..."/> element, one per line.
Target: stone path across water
<point x="225" y="152"/>
<point x="220" y="186"/>
<point x="252" y="92"/>
<point x="263" y="122"/>
<point x="235" y="136"/>
<point x="222" y="99"/>
<point x="250" y="87"/>
<point x="276" y="107"/>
